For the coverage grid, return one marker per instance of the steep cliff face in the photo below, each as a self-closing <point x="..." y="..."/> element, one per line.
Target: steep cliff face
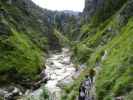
<point x="90" y="8"/>
<point x="101" y="8"/>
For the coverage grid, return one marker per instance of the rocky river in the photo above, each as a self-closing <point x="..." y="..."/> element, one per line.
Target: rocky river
<point x="60" y="71"/>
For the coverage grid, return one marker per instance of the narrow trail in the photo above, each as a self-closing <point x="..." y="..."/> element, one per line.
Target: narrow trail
<point x="87" y="89"/>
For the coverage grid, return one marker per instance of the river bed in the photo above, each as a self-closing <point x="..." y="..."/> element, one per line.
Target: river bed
<point x="60" y="71"/>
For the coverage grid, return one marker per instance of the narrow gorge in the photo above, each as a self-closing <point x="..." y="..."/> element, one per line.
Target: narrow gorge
<point x="59" y="71"/>
<point x="66" y="55"/>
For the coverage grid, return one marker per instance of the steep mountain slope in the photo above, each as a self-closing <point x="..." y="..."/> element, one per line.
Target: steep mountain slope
<point x="106" y="43"/>
<point x="24" y="34"/>
<point x="102" y="39"/>
<point x="27" y="32"/>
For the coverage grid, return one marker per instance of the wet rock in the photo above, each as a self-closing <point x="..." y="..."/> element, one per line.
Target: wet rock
<point x="10" y="93"/>
<point x="59" y="71"/>
<point x="119" y="98"/>
<point x="2" y="92"/>
<point x="9" y="1"/>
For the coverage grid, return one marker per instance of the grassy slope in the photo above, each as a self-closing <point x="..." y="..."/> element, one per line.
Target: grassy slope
<point x="21" y="44"/>
<point x="64" y="41"/>
<point x="113" y="35"/>
<point x="115" y="77"/>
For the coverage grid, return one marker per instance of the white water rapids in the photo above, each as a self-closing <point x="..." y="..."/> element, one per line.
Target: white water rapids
<point x="61" y="71"/>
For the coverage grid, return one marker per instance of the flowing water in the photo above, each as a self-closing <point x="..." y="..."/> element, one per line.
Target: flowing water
<point x="60" y="71"/>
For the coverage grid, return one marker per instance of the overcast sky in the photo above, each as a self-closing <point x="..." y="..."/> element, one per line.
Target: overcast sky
<point x="75" y="5"/>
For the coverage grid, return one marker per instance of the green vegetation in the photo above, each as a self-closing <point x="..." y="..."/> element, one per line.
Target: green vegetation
<point x="19" y="55"/>
<point x="22" y="42"/>
<point x="109" y="8"/>
<point x="71" y="91"/>
<point x="105" y="42"/>
<point x="115" y="78"/>
<point x="45" y="94"/>
<point x="64" y="41"/>
<point x="113" y="35"/>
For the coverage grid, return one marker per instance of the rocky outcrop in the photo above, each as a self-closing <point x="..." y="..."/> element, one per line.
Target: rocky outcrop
<point x="10" y="93"/>
<point x="90" y="8"/>
<point x="99" y="9"/>
<point x="126" y="13"/>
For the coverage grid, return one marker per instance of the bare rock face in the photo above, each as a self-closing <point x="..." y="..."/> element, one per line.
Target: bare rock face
<point x="4" y="29"/>
<point x="10" y="93"/>
<point x="126" y="13"/>
<point x="90" y="8"/>
<point x="9" y="1"/>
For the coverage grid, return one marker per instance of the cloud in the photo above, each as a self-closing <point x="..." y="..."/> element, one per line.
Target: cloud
<point x="75" y="5"/>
